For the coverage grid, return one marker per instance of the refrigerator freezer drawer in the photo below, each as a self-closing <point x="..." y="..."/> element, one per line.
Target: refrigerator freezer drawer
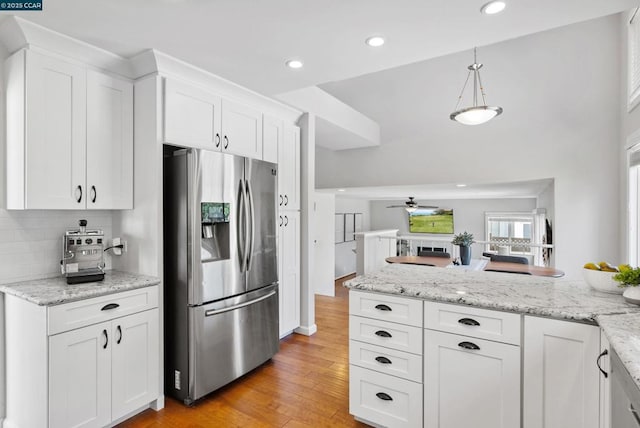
<point x="231" y="338"/>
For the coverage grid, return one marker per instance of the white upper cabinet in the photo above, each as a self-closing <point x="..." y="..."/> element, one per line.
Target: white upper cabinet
<point x="272" y="135"/>
<point x="109" y="142"/>
<point x="241" y="130"/>
<point x="46" y="135"/>
<point x="192" y="116"/>
<point x="197" y="118"/>
<point x="289" y="169"/>
<point x="57" y="121"/>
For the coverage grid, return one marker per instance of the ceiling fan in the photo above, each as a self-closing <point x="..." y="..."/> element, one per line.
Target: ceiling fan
<point x="411" y="205"/>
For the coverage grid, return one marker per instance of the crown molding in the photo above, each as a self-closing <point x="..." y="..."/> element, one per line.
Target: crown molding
<point x="153" y="61"/>
<point x="17" y="33"/>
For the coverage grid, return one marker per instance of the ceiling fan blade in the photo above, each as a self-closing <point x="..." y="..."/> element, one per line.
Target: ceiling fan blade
<point x="396" y="206"/>
<point x="431" y="207"/>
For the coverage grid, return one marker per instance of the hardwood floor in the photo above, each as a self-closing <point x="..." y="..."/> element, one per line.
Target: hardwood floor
<point x="305" y="385"/>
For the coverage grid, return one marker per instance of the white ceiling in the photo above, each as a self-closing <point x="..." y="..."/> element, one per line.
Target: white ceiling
<point x="425" y="192"/>
<point x="248" y="41"/>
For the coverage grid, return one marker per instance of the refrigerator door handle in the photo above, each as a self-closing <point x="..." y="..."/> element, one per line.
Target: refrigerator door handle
<point x="242" y="230"/>
<point x="251" y="224"/>
<point x="238" y="306"/>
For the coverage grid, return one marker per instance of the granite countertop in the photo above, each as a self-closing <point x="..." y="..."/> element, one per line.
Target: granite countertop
<point x="54" y="291"/>
<point x="623" y="332"/>
<point x="526" y="294"/>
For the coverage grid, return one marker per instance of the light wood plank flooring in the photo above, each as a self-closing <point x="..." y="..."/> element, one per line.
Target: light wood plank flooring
<point x="305" y="385"/>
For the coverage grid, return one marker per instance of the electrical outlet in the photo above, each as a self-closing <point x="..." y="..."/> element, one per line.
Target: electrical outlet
<point x="116" y="251"/>
<point x="176" y="379"/>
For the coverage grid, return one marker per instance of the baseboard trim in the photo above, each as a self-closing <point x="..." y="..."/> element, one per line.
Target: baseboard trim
<point x="307" y="330"/>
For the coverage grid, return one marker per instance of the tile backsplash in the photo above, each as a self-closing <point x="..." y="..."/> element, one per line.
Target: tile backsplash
<point x="31" y="241"/>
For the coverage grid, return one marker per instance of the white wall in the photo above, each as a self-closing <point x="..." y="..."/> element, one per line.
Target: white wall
<point x="345" y="256"/>
<point x="324" y="252"/>
<point x="560" y="94"/>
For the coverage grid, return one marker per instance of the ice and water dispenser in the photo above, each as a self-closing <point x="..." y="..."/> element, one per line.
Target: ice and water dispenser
<point x="214" y="223"/>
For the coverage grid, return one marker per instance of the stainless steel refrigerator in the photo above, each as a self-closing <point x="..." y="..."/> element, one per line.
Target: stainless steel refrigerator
<point x="220" y="269"/>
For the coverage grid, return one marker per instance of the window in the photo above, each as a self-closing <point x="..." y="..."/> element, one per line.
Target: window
<point x="512" y="230"/>
<point x="633" y="199"/>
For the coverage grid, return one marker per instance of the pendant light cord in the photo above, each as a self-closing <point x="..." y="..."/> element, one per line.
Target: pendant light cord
<point x="462" y="92"/>
<point x="477" y="82"/>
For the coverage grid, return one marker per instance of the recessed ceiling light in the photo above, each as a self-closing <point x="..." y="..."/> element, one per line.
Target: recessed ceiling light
<point x="493" y="7"/>
<point x="294" y="63"/>
<point x="461" y="185"/>
<point x="342" y="190"/>
<point x="375" y="41"/>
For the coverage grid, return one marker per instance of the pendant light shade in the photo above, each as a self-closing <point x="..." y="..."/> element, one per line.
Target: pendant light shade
<point x="476" y="114"/>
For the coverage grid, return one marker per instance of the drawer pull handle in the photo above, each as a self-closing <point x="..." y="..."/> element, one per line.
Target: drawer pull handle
<point x="469" y="321"/>
<point x="605" y="352"/>
<point x="119" y="329"/>
<point x="383" y="396"/>
<point x="383" y="360"/>
<point x="383" y="333"/>
<point x="382" y="307"/>
<point x="110" y="306"/>
<point x="106" y="339"/>
<point x="469" y="345"/>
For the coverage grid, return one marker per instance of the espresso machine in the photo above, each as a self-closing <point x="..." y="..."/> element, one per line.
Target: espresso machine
<point x="82" y="254"/>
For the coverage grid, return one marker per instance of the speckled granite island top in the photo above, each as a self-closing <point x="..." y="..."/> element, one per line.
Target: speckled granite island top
<point x="525" y="294"/>
<point x="54" y="291"/>
<point x="623" y="332"/>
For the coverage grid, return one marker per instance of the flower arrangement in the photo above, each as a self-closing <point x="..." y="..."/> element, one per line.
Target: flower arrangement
<point x="464" y="239"/>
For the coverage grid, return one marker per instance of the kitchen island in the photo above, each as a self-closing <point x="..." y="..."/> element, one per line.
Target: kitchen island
<point x="476" y="340"/>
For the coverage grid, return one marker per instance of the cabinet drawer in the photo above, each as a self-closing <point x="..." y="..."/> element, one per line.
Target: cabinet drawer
<point x="384" y="360"/>
<point x="384" y="400"/>
<point x="481" y="323"/>
<point x="390" y="335"/>
<point x="387" y="308"/>
<point x="78" y="314"/>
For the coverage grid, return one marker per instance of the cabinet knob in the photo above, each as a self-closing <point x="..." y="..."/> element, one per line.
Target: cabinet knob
<point x="383" y="360"/>
<point x="78" y="194"/>
<point x="469" y="321"/>
<point x="384" y="396"/>
<point x="94" y="194"/>
<point x="217" y="140"/>
<point x="226" y="142"/>
<point x="469" y="345"/>
<point x="383" y="333"/>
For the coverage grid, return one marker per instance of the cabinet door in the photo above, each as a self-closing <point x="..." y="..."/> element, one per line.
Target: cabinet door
<point x="135" y="360"/>
<point x="109" y="142"/>
<point x="561" y="379"/>
<point x="289" y="169"/>
<point x="241" y="130"/>
<point x="289" y="251"/>
<point x="192" y="116"/>
<point x="604" y="363"/>
<point x="272" y="135"/>
<point x="55" y="140"/>
<point x="80" y="377"/>
<point x="470" y="382"/>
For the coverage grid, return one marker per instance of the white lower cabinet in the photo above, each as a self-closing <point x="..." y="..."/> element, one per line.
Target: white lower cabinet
<point x="561" y="379"/>
<point x="101" y="372"/>
<point x="384" y="400"/>
<point x="87" y="363"/>
<point x="470" y="382"/>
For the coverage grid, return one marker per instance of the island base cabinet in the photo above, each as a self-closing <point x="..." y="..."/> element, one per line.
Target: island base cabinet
<point x="470" y="382"/>
<point x="383" y="400"/>
<point x="561" y="379"/>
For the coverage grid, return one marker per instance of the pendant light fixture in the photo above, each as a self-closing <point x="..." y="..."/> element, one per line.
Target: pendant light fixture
<point x="476" y="114"/>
